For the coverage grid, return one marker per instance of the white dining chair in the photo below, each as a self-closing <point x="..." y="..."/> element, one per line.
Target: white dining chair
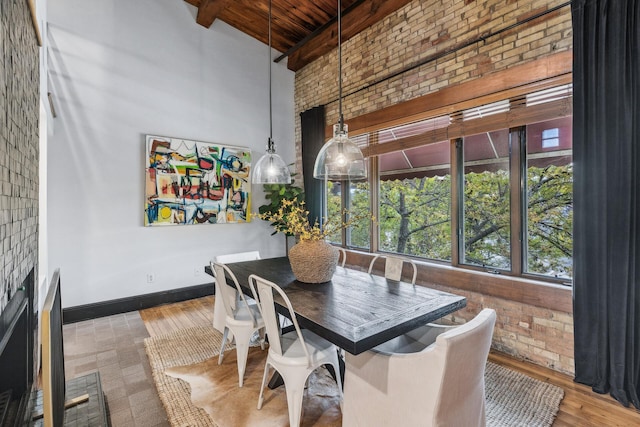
<point x="393" y="267"/>
<point x="219" y="313"/>
<point x="243" y="320"/>
<point x="343" y="256"/>
<point x="432" y="376"/>
<point x="296" y="354"/>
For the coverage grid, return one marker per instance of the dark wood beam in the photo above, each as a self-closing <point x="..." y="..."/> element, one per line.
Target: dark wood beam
<point x="317" y="31"/>
<point x="363" y="16"/>
<point x="209" y="10"/>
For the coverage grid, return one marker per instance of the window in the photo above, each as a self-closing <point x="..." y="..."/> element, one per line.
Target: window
<point x="334" y="208"/>
<point x="415" y="201"/>
<point x="355" y="199"/>
<point x="549" y="201"/>
<point x="550" y="138"/>
<point x="360" y="235"/>
<point x="502" y="203"/>
<point x="486" y="236"/>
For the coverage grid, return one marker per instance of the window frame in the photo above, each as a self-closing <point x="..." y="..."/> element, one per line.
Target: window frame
<point x="543" y="73"/>
<point x="518" y="210"/>
<point x="517" y="162"/>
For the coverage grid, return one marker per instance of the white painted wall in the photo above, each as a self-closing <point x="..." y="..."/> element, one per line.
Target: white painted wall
<point x="121" y="69"/>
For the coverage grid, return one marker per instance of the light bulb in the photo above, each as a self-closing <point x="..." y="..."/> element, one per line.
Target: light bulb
<point x="341" y="160"/>
<point x="271" y="170"/>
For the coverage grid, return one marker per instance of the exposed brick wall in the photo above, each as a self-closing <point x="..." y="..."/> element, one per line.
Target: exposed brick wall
<point x="537" y="334"/>
<point x="422" y="30"/>
<point x="19" y="115"/>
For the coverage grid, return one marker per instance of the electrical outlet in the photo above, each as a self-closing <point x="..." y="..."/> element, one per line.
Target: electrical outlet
<point x="196" y="271"/>
<point x="151" y="277"/>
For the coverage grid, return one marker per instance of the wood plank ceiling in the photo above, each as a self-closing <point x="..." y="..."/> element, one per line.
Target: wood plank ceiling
<point x="302" y="30"/>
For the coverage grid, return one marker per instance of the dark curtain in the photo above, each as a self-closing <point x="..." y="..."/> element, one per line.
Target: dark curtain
<point x="312" y="125"/>
<point x="606" y="135"/>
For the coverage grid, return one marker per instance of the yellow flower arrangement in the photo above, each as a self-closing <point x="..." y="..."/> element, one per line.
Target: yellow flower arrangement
<point x="292" y="219"/>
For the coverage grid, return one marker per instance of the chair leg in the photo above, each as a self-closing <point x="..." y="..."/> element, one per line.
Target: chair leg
<point x="264" y="382"/>
<point x="294" y="383"/>
<point x="222" y="346"/>
<point x="242" y="351"/>
<point x="338" y="379"/>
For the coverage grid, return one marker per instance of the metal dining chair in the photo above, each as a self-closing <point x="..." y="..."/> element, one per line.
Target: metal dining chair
<point x="295" y="354"/>
<point x="393" y="267"/>
<point x="219" y="313"/>
<point x="343" y="256"/>
<point x="243" y="320"/>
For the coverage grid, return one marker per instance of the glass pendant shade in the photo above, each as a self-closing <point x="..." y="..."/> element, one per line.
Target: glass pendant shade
<point x="270" y="168"/>
<point x="340" y="158"/>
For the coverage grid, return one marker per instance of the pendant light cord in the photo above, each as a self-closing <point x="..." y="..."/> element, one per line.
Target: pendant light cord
<point x="340" y="118"/>
<point x="270" y="143"/>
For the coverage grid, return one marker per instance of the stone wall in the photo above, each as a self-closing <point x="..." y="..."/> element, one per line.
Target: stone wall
<point x="19" y="144"/>
<point x="470" y="39"/>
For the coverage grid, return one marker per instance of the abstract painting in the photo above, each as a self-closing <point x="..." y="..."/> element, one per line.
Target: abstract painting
<point x="194" y="182"/>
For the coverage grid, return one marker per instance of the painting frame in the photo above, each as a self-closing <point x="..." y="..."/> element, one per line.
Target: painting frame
<point x="195" y="182"/>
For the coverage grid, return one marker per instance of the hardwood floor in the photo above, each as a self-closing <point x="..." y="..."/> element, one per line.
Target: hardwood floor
<point x="580" y="406"/>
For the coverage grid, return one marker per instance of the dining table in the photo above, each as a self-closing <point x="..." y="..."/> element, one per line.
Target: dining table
<point x="356" y="310"/>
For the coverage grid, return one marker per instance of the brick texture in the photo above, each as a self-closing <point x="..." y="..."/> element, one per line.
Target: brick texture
<point x="446" y="29"/>
<point x="19" y="115"/>
<point x="539" y="335"/>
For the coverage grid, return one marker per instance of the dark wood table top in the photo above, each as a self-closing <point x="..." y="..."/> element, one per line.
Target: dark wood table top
<point x="356" y="311"/>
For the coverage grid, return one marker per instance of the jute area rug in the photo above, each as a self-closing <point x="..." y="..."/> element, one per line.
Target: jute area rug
<point x="196" y="392"/>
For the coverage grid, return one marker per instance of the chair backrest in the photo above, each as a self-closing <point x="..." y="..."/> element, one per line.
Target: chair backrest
<point x="262" y="290"/>
<point x="238" y="257"/>
<point x="463" y="351"/>
<point x="343" y="255"/>
<point x="393" y="267"/>
<point x="414" y="381"/>
<point x="221" y="273"/>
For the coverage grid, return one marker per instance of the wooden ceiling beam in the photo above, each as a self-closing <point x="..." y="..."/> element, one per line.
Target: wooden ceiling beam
<point x="361" y="17"/>
<point x="209" y="10"/>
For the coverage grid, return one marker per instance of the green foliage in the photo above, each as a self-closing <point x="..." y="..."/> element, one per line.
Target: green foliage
<point x="550" y="220"/>
<point x="487" y="219"/>
<point x="334" y="208"/>
<point x="275" y="194"/>
<point x="415" y="218"/>
<point x="359" y="235"/>
<point x="357" y="213"/>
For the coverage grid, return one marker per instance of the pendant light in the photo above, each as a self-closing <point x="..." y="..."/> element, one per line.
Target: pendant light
<point x="340" y="158"/>
<point x="270" y="168"/>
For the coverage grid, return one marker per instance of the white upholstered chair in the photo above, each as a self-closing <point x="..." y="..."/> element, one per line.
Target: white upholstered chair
<point x="219" y="313"/>
<point x="393" y="267"/>
<point x="410" y="382"/>
<point x="296" y="354"/>
<point x="243" y="320"/>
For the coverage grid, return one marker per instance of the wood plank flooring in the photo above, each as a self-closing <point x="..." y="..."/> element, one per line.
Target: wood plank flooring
<point x="580" y="406"/>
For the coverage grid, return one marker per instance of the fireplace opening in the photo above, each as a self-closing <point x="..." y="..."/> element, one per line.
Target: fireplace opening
<point x="17" y="331"/>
